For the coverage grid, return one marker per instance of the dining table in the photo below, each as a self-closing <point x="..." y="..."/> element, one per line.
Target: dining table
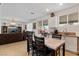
<point x="55" y="45"/>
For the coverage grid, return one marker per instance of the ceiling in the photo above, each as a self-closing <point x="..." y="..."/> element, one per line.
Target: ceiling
<point x="29" y="11"/>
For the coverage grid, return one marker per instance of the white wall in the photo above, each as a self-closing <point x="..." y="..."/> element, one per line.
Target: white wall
<point x="52" y="21"/>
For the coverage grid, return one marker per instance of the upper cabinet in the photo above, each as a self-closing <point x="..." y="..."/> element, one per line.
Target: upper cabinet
<point x="73" y="18"/>
<point x="70" y="18"/>
<point x="63" y="19"/>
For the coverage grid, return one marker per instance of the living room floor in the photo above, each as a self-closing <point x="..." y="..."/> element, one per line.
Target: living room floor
<point x="19" y="49"/>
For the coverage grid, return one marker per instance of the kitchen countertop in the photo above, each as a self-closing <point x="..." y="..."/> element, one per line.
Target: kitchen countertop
<point x="68" y="34"/>
<point x="71" y="35"/>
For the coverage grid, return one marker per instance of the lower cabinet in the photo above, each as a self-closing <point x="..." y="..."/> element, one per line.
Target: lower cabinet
<point x="10" y="38"/>
<point x="71" y="44"/>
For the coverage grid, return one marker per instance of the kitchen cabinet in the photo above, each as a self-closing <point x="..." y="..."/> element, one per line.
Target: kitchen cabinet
<point x="72" y="44"/>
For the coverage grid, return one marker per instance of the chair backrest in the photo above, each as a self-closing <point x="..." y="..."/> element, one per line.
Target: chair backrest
<point x="45" y="34"/>
<point x="29" y="37"/>
<point x="39" y="42"/>
<point x="57" y="36"/>
<point x="40" y="46"/>
<point x="29" y="34"/>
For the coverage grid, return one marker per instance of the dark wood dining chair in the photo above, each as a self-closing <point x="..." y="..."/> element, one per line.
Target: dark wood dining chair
<point x="57" y="36"/>
<point x="39" y="46"/>
<point x="30" y="42"/>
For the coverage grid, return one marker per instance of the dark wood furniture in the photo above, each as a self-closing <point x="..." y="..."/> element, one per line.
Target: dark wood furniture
<point x="4" y="29"/>
<point x="40" y="46"/>
<point x="30" y="43"/>
<point x="58" y="36"/>
<point x="19" y="29"/>
<point x="10" y="38"/>
<point x="28" y="35"/>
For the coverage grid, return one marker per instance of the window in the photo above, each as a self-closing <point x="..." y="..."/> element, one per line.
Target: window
<point x="40" y="24"/>
<point x="72" y="18"/>
<point x="63" y="19"/>
<point x="45" y="24"/>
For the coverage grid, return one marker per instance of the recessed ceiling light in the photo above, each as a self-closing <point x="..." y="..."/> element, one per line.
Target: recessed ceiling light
<point x="61" y="4"/>
<point x="47" y="10"/>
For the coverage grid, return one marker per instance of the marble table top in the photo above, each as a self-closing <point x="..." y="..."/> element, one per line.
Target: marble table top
<point x="53" y="43"/>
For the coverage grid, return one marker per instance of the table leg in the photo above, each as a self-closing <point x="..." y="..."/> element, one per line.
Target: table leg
<point x="63" y="49"/>
<point x="53" y="53"/>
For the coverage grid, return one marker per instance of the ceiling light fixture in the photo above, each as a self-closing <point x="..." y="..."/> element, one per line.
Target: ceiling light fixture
<point x="47" y="10"/>
<point x="61" y="4"/>
<point x="52" y="14"/>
